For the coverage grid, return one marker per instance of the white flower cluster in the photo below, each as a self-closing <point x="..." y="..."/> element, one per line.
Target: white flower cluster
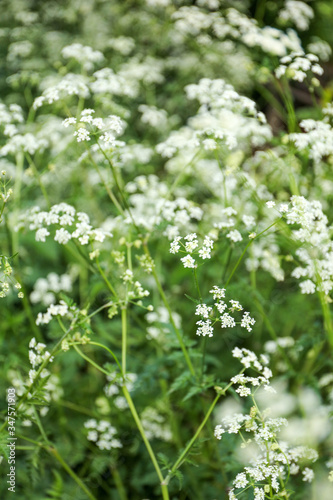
<point x="228" y="221"/>
<point x="27" y="143"/>
<point x="71" y="84"/>
<point x="266" y="254"/>
<point x="224" y="118"/>
<point x="111" y="126"/>
<point x="270" y="469"/>
<point x="37" y="354"/>
<point x="6" y="279"/>
<point x="316" y="253"/>
<point x="122" y="44"/>
<point x="115" y="382"/>
<point x="51" y="389"/>
<point x="108" y="82"/>
<point x="297" y="66"/>
<point x="150" y="206"/>
<point x="103" y="434"/>
<point x="271" y="346"/>
<point x="299" y="13"/>
<point x="209" y="315"/>
<point x="267" y="38"/>
<point x="317" y="138"/>
<point x="276" y="460"/>
<point x="157" y="118"/>
<point x="65" y="216"/>
<point x="190" y="245"/>
<point x="9" y="117"/>
<point x="60" y="309"/>
<point x="137" y="291"/>
<point x="155" y="425"/>
<point x="192" y="21"/>
<point x="83" y="54"/>
<point x="45" y="288"/>
<point x="159" y="321"/>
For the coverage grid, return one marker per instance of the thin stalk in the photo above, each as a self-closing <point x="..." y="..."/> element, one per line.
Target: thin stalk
<point x="285" y="92"/>
<point x="40" y="369"/>
<point x="225" y="196"/>
<point x="327" y="317"/>
<point x="227" y="263"/>
<point x="245" y="249"/>
<point x="123" y="338"/>
<point x="110" y="352"/>
<point x="75" y="407"/>
<point x="108" y="190"/>
<point x="197" y="283"/>
<point x="182" y="457"/>
<point x="107" y="282"/>
<point x="165" y="493"/>
<point x="54" y="452"/>
<point x="273" y="333"/>
<point x="17" y="198"/>
<point x="166" y="304"/>
<point x="116" y="180"/>
<point x="89" y="360"/>
<point x="38" y="177"/>
<point x="40" y="427"/>
<point x="119" y="483"/>
<point x="204" y="347"/>
<point x="137" y="420"/>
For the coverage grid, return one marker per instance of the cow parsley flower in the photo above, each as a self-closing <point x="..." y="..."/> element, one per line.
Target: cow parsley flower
<point x="188" y="261"/>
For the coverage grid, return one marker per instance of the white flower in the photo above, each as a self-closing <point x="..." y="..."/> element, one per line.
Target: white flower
<point x="41" y="234"/>
<point x="69" y="121"/>
<point x="188" y="261"/>
<point x="203" y="310"/>
<point x="247" y="322"/>
<point x="234" y="236"/>
<point x="205" y="328"/>
<point x="227" y="321"/>
<point x="283" y="208"/>
<point x="62" y="236"/>
<point x="240" y="480"/>
<point x="307" y="287"/>
<point x="270" y="204"/>
<point x="174" y="246"/>
<point x="82" y="134"/>
<point x="308" y="475"/>
<point x="243" y="391"/>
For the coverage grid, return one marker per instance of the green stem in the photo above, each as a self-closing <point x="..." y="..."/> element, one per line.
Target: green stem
<point x="89" y="360"/>
<point x="204" y="346"/>
<point x="136" y="417"/>
<point x="273" y="333"/>
<point x="38" y="177"/>
<point x="40" y="369"/>
<point x="119" y="483"/>
<point x="107" y="282"/>
<point x="110" y="352"/>
<point x="197" y="283"/>
<point x="53" y="451"/>
<point x="108" y="190"/>
<point x="245" y="249"/>
<point x="116" y="180"/>
<point x="123" y="338"/>
<point x="40" y="426"/>
<point x="166" y="304"/>
<point x="182" y="457"/>
<point x="327" y="317"/>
